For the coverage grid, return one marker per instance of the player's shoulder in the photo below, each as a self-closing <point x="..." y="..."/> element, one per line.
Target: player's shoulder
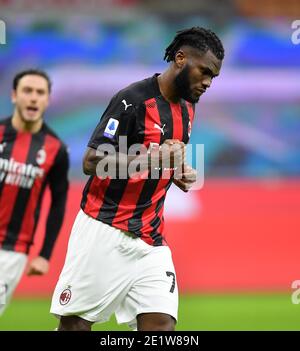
<point x="138" y="92"/>
<point x="50" y="132"/>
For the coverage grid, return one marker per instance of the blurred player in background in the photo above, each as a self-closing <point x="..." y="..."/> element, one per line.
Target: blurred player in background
<point x="118" y="260"/>
<point x="31" y="157"/>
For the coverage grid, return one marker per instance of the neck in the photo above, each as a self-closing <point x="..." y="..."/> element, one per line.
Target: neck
<point x="22" y="126"/>
<point x="167" y="86"/>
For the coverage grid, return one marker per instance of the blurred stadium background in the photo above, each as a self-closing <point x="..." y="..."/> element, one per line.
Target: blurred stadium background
<point x="236" y="242"/>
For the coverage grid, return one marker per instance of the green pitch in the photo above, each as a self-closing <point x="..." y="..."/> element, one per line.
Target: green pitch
<point x="196" y="312"/>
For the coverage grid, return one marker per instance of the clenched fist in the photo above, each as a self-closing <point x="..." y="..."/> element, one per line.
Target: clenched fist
<point x="186" y="180"/>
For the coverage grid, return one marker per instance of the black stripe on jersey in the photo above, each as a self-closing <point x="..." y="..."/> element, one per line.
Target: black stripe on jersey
<point x="85" y="192"/>
<point x="185" y="122"/>
<point x="115" y="191"/>
<point x="37" y="214"/>
<point x="15" y="224"/>
<point x="165" y="115"/>
<point x="9" y="134"/>
<point x="155" y="223"/>
<point x="135" y="223"/>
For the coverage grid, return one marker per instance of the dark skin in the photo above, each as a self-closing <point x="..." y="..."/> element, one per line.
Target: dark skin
<point x="194" y="71"/>
<point x="200" y="70"/>
<point x="145" y="322"/>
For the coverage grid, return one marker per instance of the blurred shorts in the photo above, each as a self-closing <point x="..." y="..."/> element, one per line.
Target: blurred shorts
<point x="12" y="265"/>
<point x="110" y="271"/>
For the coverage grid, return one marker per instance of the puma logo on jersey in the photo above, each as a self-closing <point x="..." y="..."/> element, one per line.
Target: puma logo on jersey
<point x="2" y="146"/>
<point x="125" y="104"/>
<point x="160" y="128"/>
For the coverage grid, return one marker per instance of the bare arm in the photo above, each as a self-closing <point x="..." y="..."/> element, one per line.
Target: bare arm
<point x="118" y="160"/>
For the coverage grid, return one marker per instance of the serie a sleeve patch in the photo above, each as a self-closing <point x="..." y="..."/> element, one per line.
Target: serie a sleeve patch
<point x="111" y="128"/>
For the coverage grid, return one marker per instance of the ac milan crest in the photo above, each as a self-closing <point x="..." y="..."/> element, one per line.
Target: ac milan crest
<point x="41" y="157"/>
<point x="65" y="297"/>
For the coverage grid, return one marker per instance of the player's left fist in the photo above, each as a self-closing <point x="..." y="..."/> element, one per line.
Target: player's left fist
<point x="186" y="179"/>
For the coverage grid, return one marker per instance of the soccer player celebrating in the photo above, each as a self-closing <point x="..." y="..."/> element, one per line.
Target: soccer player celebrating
<point x="118" y="260"/>
<point x="31" y="157"/>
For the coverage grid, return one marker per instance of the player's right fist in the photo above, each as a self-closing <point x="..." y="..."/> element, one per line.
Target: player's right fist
<point x="172" y="153"/>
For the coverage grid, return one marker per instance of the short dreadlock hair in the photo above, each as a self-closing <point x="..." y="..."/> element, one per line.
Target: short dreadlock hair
<point x="196" y="37"/>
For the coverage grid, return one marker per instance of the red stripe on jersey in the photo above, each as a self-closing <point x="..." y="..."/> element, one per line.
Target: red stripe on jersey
<point x="9" y="193"/>
<point x="95" y="196"/>
<point x="2" y="128"/>
<point x="161" y="187"/>
<point x="51" y="147"/>
<point x="152" y="117"/>
<point x="26" y="231"/>
<point x="134" y="187"/>
<point x="128" y="202"/>
<point x="150" y="213"/>
<point x="177" y="121"/>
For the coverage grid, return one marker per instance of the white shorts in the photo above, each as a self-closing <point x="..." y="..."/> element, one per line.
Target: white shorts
<point x="110" y="271"/>
<point x="12" y="265"/>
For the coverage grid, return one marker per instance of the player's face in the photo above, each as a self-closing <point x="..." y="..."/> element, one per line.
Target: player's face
<point x="31" y="98"/>
<point x="196" y="75"/>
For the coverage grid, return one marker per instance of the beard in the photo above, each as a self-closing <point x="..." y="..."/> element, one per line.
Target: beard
<point x="182" y="85"/>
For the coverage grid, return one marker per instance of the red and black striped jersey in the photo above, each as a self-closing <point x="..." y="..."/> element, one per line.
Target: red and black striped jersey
<point x="142" y="114"/>
<point x="28" y="162"/>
